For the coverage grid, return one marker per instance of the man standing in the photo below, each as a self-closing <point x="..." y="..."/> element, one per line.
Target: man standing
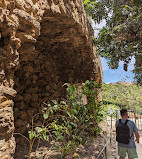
<point x="125" y="130"/>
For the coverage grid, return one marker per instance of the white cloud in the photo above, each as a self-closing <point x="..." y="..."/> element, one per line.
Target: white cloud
<point x="120" y="68"/>
<point x="116" y="71"/>
<point x="131" y="65"/>
<point x="97" y="27"/>
<point x="121" y="63"/>
<point x="104" y="64"/>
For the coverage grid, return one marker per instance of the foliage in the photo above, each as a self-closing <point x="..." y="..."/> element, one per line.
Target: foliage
<point x="66" y="124"/>
<point x="121" y="38"/>
<point x="122" y="96"/>
<point x="96" y="9"/>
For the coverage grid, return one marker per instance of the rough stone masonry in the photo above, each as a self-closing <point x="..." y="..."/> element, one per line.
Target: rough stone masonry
<point x="43" y="44"/>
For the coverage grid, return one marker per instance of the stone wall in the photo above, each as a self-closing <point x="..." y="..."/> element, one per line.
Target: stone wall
<point x="43" y="44"/>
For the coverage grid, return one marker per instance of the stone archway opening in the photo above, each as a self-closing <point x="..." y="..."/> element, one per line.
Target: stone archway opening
<point x="59" y="56"/>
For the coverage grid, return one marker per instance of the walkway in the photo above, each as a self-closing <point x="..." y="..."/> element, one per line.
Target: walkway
<point x="139" y="146"/>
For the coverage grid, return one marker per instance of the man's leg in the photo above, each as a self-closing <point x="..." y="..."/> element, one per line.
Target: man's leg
<point x="122" y="152"/>
<point x="132" y="153"/>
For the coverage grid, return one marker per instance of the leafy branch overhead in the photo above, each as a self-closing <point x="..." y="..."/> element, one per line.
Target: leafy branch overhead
<point x="121" y="38"/>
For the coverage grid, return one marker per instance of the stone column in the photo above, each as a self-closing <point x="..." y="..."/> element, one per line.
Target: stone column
<point x="9" y="59"/>
<point x="7" y="141"/>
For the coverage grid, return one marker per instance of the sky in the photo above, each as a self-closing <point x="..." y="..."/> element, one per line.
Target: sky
<point x="114" y="75"/>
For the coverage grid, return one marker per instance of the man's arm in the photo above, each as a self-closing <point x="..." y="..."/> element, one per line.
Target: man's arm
<point x="137" y="136"/>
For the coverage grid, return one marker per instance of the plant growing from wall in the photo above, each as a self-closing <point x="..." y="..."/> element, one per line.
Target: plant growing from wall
<point x="66" y="124"/>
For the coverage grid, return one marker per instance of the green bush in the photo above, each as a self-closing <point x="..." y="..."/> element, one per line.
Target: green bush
<point x="66" y="124"/>
<point x="122" y="96"/>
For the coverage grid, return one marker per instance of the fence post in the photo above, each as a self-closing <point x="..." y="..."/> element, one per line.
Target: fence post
<point x="116" y="114"/>
<point x="111" y="113"/>
<point x="135" y="116"/>
<point x="111" y="130"/>
<point x="105" y="153"/>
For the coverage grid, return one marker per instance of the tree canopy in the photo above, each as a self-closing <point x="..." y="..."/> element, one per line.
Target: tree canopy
<point x="122" y="96"/>
<point x="121" y="38"/>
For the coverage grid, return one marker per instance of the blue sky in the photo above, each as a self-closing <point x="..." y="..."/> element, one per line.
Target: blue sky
<point x="115" y="75"/>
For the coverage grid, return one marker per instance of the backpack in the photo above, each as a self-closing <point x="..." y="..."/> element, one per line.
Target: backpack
<point x="123" y="132"/>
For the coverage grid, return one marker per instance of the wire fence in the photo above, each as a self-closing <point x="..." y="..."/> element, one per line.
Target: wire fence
<point x="104" y="151"/>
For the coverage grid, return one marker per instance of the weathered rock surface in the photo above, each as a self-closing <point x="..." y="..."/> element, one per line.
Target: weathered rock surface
<point x="43" y="44"/>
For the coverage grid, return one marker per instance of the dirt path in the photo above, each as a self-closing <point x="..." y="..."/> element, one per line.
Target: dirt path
<point x="139" y="150"/>
<point x="139" y="147"/>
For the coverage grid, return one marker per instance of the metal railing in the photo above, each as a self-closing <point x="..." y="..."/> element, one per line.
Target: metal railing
<point x="103" y="153"/>
<point x="104" y="149"/>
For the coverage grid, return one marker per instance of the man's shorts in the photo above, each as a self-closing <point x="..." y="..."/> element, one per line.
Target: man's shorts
<point x="122" y="152"/>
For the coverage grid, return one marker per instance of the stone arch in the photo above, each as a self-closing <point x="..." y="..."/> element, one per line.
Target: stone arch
<point x="49" y="44"/>
<point x="61" y="54"/>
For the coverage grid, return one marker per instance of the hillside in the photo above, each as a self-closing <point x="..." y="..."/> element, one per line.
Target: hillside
<point x="122" y="95"/>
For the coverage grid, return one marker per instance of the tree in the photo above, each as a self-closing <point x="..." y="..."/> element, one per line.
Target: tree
<point x="121" y="38"/>
<point x="123" y="96"/>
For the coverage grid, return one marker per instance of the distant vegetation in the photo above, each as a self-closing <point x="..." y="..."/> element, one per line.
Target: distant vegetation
<point x="122" y="96"/>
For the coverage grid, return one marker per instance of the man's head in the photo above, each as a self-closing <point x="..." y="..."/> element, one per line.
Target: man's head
<point x="124" y="113"/>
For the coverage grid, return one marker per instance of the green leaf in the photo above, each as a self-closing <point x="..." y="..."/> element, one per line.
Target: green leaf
<point x="69" y="126"/>
<point x="85" y="2"/>
<point x="74" y="124"/>
<point x="75" y="118"/>
<point x="45" y="137"/>
<point x="80" y="139"/>
<point x="38" y="129"/>
<point x="87" y="82"/>
<point x="83" y="84"/>
<point x="63" y="118"/>
<point x="31" y="135"/>
<point x="49" y="105"/>
<point x="78" y="103"/>
<point x="45" y="116"/>
<point x="65" y="84"/>
<point x="74" y="111"/>
<point x="63" y="102"/>
<point x="55" y="107"/>
<point x="69" y="114"/>
<point x="44" y="109"/>
<point x="54" y="101"/>
<point x="56" y="127"/>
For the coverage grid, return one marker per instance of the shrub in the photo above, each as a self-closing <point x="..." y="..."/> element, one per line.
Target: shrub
<point x="67" y="123"/>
